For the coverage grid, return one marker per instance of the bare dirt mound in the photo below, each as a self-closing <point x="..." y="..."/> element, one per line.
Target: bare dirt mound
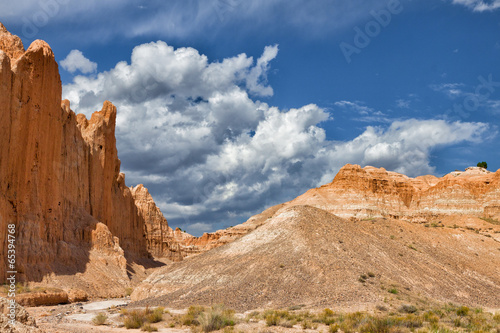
<point x="305" y="255"/>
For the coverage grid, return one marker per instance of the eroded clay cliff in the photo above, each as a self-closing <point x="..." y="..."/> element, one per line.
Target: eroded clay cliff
<point x="161" y="239"/>
<point x="60" y="180"/>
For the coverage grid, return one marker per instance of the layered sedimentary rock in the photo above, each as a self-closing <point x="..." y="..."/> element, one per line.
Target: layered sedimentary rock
<point x="371" y="192"/>
<point x="60" y="180"/>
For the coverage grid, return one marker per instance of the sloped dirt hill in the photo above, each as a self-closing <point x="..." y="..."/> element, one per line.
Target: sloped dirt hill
<point x="305" y="255"/>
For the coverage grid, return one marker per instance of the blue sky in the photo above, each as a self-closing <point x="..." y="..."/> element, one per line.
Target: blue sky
<point x="226" y="107"/>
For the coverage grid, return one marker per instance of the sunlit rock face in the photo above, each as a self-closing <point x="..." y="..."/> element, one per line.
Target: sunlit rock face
<point x="372" y="192"/>
<point x="60" y="180"/>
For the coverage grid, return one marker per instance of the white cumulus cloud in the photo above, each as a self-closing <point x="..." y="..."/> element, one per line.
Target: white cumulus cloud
<point x="76" y="61"/>
<point x="210" y="152"/>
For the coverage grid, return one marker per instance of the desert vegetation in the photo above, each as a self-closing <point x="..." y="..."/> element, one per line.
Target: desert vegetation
<point x="100" y="319"/>
<point x="490" y="220"/>
<point x="408" y="318"/>
<point x="206" y="319"/>
<point x="142" y="318"/>
<point x="404" y="318"/>
<point x="24" y="288"/>
<point x="483" y="165"/>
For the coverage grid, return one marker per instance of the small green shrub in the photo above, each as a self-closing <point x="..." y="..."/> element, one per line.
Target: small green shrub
<point x="411" y="246"/>
<point x="328" y="313"/>
<point x="296" y="307"/>
<point x="478" y="323"/>
<point x="407" y="308"/>
<point x="280" y="317"/>
<point x="100" y="319"/>
<point x="149" y="328"/>
<point x="139" y="318"/>
<point x="191" y="317"/>
<point x="216" y="318"/>
<point x="155" y="316"/>
<point x="134" y="319"/>
<point x="377" y="325"/>
<point x="431" y="317"/>
<point x="350" y="322"/>
<point x="333" y="328"/>
<point x="253" y="314"/>
<point x="287" y="323"/>
<point x="463" y="311"/>
<point x="307" y="324"/>
<point x="393" y="291"/>
<point x="412" y="321"/>
<point x="326" y="317"/>
<point x="272" y="320"/>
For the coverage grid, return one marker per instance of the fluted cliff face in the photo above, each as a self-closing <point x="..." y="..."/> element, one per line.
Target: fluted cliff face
<point x="59" y="172"/>
<point x="371" y="192"/>
<point x="161" y="239"/>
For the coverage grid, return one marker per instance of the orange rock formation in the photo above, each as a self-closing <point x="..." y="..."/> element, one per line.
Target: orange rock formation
<point x="162" y="240"/>
<point x="371" y="192"/>
<point x="60" y="180"/>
